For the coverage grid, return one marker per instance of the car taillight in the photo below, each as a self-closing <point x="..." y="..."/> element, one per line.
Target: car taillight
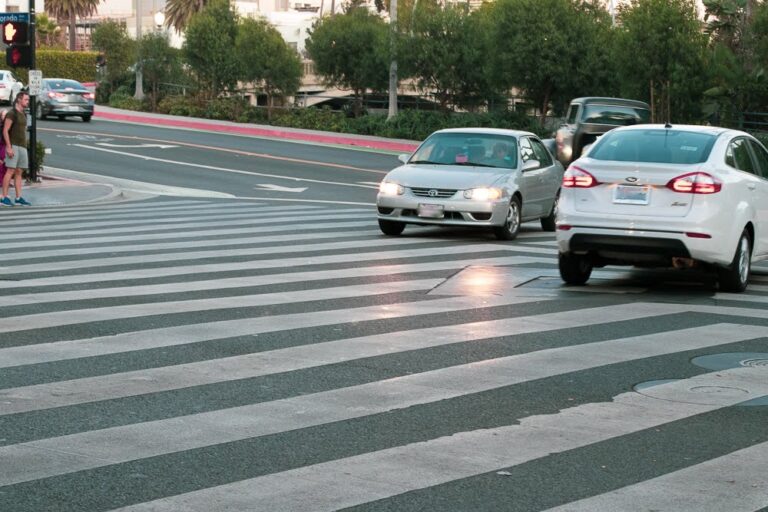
<point x="695" y="183"/>
<point x="576" y="177"/>
<point x="56" y="95"/>
<point x="89" y="96"/>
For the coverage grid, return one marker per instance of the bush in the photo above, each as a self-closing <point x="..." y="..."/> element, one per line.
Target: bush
<point x="226" y="109"/>
<point x="80" y="66"/>
<point x="180" y="106"/>
<point x="121" y="99"/>
<point x="312" y="119"/>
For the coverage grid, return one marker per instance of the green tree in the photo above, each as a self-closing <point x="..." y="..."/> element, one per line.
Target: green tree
<point x="266" y="60"/>
<point x="660" y="57"/>
<point x="111" y="39"/>
<point x="210" y="38"/>
<point x="178" y="13"/>
<point x="160" y="63"/>
<point x="549" y="49"/>
<point x="444" y="53"/>
<point x="47" y="31"/>
<point x="69" y="10"/>
<point x="351" y="51"/>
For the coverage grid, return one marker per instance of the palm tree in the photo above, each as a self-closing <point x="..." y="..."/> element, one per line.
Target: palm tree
<point x="46" y="30"/>
<point x="179" y="12"/>
<point x="69" y="10"/>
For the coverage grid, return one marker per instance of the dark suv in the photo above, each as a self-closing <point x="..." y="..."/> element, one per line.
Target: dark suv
<point x="588" y="118"/>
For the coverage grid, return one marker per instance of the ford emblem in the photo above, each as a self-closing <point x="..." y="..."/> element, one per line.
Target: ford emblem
<point x="631" y="179"/>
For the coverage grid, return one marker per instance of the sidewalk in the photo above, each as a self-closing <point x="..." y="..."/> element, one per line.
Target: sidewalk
<point x="59" y="188"/>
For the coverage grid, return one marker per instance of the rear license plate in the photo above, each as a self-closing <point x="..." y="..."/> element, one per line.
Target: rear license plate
<point x="432" y="211"/>
<point x="631" y="194"/>
<point x="73" y="108"/>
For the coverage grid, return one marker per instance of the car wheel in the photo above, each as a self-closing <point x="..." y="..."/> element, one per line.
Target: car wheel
<point x="548" y="222"/>
<point x="511" y="226"/>
<point x="391" y="227"/>
<point x="734" y="278"/>
<point x="39" y="112"/>
<point x="61" y="118"/>
<point x="86" y="119"/>
<point x="574" y="268"/>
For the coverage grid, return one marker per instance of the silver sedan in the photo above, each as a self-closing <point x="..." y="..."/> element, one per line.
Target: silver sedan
<point x="480" y="177"/>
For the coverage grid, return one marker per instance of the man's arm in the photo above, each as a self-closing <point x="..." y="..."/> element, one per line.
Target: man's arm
<point x="6" y="136"/>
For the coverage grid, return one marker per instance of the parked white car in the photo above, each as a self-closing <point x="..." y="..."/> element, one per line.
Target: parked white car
<point x="9" y="86"/>
<point x="477" y="177"/>
<point x="663" y="195"/>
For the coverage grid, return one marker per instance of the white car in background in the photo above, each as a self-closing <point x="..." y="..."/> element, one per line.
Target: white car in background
<point x="9" y="86"/>
<point x="666" y="196"/>
<point x="472" y="177"/>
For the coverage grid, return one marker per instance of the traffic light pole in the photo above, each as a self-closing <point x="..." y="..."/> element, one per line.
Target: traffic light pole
<point x="32" y="100"/>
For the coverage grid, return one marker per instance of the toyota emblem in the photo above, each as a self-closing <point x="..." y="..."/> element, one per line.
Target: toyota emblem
<point x="432" y="193"/>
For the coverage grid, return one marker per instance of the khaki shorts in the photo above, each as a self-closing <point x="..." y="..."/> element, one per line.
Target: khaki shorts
<point x="20" y="159"/>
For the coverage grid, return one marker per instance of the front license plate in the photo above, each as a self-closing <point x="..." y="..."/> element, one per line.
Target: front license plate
<point x="73" y="108"/>
<point x="431" y="211"/>
<point x="631" y="194"/>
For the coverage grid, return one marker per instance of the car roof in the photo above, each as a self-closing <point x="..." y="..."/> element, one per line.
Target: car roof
<point x="610" y="101"/>
<point x="488" y="131"/>
<point x="712" y="130"/>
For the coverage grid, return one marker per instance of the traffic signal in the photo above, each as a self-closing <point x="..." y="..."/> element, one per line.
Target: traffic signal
<point x="18" y="56"/>
<point x="15" y="32"/>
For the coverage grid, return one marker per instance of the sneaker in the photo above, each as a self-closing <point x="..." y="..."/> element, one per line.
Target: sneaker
<point x="6" y="201"/>
<point x="22" y="202"/>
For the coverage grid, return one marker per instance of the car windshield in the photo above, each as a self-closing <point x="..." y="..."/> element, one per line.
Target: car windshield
<point x="615" y="115"/>
<point x="66" y="84"/>
<point x="468" y="149"/>
<point x="654" y="145"/>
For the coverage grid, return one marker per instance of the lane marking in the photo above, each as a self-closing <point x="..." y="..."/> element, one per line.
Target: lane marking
<point x="136" y="146"/>
<point x="233" y="151"/>
<point x="277" y="188"/>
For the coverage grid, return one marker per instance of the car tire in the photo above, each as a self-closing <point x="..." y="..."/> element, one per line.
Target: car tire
<point x="575" y="269"/>
<point x="86" y="119"/>
<point x="39" y="112"/>
<point x="61" y="118"/>
<point x="391" y="227"/>
<point x="548" y="222"/>
<point x="511" y="226"/>
<point x="734" y="277"/>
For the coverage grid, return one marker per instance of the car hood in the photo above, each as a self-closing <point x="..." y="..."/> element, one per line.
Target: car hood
<point x="446" y="176"/>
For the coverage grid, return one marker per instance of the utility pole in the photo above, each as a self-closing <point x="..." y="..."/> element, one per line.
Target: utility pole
<point x="139" y="95"/>
<point x="393" y="63"/>
<point x="32" y="100"/>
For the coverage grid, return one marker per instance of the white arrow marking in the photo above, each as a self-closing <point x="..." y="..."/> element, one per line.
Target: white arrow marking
<point x="278" y="188"/>
<point x="161" y="146"/>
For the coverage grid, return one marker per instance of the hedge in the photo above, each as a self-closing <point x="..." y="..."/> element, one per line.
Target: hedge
<point x="80" y="66"/>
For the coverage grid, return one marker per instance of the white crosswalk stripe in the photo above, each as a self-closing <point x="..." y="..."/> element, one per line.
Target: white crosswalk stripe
<point x="198" y="355"/>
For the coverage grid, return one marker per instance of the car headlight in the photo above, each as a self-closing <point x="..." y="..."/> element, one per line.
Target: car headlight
<point x="482" y="194"/>
<point x="389" y="188"/>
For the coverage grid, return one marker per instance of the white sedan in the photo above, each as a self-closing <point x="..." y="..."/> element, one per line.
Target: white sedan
<point x="479" y="177"/>
<point x="666" y="196"/>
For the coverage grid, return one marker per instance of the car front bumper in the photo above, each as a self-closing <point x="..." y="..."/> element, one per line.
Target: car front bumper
<point x="455" y="212"/>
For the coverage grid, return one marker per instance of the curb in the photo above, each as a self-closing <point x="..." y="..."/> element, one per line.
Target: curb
<point x="324" y="138"/>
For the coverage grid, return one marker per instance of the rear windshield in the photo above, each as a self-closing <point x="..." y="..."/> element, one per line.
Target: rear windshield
<point x="615" y="115"/>
<point x="657" y="145"/>
<point x="66" y="84"/>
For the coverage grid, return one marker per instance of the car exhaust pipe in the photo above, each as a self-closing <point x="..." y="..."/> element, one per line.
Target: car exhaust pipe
<point x="683" y="263"/>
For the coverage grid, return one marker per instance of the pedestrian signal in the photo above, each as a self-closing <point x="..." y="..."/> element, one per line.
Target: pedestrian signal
<point x="15" y="32"/>
<point x="18" y="56"/>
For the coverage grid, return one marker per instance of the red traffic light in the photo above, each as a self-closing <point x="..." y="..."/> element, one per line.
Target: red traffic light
<point x="15" y="32"/>
<point x="18" y="56"/>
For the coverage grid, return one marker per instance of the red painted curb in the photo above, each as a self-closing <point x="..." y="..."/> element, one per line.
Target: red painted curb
<point x="264" y="132"/>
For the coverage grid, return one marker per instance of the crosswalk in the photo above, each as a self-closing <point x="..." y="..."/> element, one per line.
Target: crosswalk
<point x="203" y="355"/>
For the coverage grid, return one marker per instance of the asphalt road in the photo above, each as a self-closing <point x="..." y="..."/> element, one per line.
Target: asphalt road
<point x="201" y="354"/>
<point x="245" y="167"/>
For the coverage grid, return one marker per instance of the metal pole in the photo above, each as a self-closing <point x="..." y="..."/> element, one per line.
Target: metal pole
<point x="392" y="112"/>
<point x="32" y="100"/>
<point x="139" y="94"/>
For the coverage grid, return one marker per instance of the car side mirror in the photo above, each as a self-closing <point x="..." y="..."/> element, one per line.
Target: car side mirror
<point x="404" y="157"/>
<point x="531" y="164"/>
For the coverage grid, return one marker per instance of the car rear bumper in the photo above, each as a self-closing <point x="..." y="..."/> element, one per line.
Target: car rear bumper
<point x="68" y="110"/>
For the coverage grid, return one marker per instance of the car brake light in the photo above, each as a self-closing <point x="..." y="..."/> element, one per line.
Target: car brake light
<point x="564" y="227"/>
<point x="57" y="95"/>
<point x="695" y="183"/>
<point x="89" y="96"/>
<point x="576" y="177"/>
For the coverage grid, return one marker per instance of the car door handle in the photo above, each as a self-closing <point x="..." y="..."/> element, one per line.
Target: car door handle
<point x="751" y="186"/>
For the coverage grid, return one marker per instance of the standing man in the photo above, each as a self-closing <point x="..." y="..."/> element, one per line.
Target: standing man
<point x="15" y="139"/>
